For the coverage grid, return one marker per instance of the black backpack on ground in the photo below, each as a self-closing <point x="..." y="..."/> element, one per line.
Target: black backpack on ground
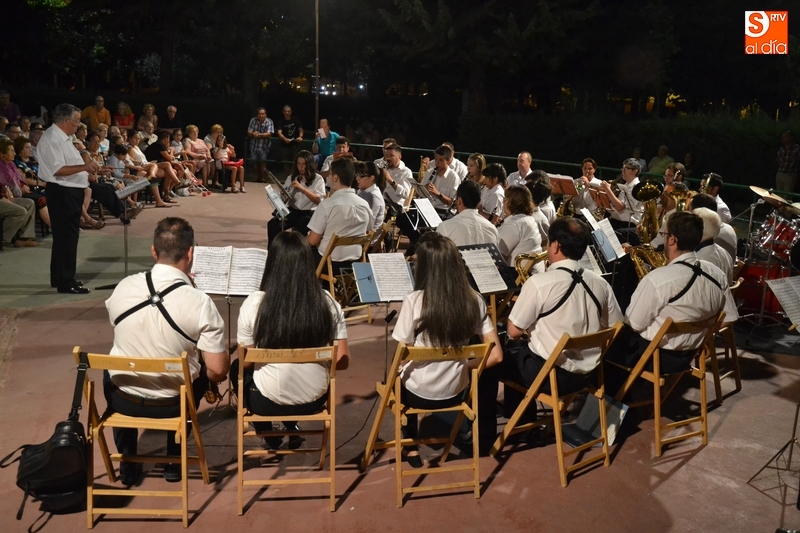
<point x="54" y="472"/>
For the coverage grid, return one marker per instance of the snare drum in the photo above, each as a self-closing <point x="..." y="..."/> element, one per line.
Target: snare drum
<point x="755" y="275"/>
<point x="778" y="236"/>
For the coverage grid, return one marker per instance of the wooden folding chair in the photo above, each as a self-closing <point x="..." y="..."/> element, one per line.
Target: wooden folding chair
<point x="97" y="423"/>
<point x="730" y="353"/>
<point x="324" y="355"/>
<point x="343" y="286"/>
<point x="668" y="381"/>
<point x="377" y="245"/>
<point x="601" y="340"/>
<point x="390" y="399"/>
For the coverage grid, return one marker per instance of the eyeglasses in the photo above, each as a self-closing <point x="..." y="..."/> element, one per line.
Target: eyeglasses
<point x="628" y="168"/>
<point x="664" y="234"/>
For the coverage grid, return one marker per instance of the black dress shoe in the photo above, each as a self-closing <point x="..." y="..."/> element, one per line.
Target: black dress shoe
<point x="172" y="473"/>
<point x="73" y="289"/>
<point x="130" y="473"/>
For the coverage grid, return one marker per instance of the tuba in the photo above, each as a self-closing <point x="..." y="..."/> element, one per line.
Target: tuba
<point x="644" y="257"/>
<point x="525" y="262"/>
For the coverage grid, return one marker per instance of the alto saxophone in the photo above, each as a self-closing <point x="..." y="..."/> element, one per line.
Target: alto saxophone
<point x="525" y="262"/>
<point x="423" y="169"/>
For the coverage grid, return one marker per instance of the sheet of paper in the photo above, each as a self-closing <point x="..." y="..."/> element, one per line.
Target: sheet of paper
<point x="392" y="276"/>
<point x="612" y="238"/>
<point x="589" y="417"/>
<point x="588" y="262"/>
<point x="788" y="295"/>
<point x="590" y="218"/>
<point x="428" y="212"/>
<point x="247" y="268"/>
<point x="277" y="202"/>
<point x="484" y="271"/>
<point x="322" y="133"/>
<point x="210" y="268"/>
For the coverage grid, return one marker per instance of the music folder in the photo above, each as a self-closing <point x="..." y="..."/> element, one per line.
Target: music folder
<point x="386" y="278"/>
<point x="604" y="246"/>
<point x="563" y="184"/>
<point x="599" y="197"/>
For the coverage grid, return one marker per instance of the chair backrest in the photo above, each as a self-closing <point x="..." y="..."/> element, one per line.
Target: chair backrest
<point x="265" y="356"/>
<point x="336" y="241"/>
<point x="410" y="198"/>
<point x="439" y="354"/>
<point x="670" y="327"/>
<point x="377" y="240"/>
<point x="132" y="363"/>
<point x="738" y="265"/>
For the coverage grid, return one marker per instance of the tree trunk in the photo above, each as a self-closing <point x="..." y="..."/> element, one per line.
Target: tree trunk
<point x="167" y="57"/>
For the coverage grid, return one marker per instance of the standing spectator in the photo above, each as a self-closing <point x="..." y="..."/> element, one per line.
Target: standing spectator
<point x="96" y="114"/>
<point x="290" y="132"/>
<point x="324" y="146"/>
<point x="173" y="122"/>
<point x="788" y="163"/>
<point x="637" y="155"/>
<point x="658" y="165"/>
<point x="260" y="130"/>
<point x="148" y="115"/>
<point x="66" y="174"/>
<point x="8" y="109"/>
<point x="689" y="165"/>
<point x="124" y="119"/>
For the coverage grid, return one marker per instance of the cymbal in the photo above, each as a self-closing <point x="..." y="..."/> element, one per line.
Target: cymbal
<point x="763" y="193"/>
<point x="779" y="200"/>
<point x="771" y="198"/>
<point x="794" y="209"/>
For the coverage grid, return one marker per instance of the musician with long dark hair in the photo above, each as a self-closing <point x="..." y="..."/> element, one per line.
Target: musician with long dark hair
<point x="443" y="310"/>
<point x="307" y="189"/>
<point x="290" y="311"/>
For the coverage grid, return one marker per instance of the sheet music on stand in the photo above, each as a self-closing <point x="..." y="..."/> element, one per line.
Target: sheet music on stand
<point x="386" y="278"/>
<point x="787" y="291"/>
<point x="420" y="190"/>
<point x="590" y="219"/>
<point x="487" y="269"/>
<point x="284" y="194"/>
<point x="274" y="197"/>
<point x="563" y="184"/>
<point x="134" y="187"/>
<point x="428" y="212"/>
<point x="611" y="239"/>
<point x="588" y="262"/>
<point x="599" y="197"/>
<point x="228" y="270"/>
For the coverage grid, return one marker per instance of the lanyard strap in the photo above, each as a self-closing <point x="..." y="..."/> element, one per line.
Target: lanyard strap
<point x="696" y="273"/>
<point x="577" y="277"/>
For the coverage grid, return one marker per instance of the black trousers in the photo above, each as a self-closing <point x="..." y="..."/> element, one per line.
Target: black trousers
<point x="126" y="439"/>
<point x="409" y="399"/>
<point x="261" y="405"/>
<point x="521" y="366"/>
<point x="628" y="348"/>
<point x="296" y="220"/>
<point x="65" y="212"/>
<point x="105" y="195"/>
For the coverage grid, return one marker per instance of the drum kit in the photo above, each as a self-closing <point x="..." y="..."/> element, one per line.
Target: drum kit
<point x="773" y="252"/>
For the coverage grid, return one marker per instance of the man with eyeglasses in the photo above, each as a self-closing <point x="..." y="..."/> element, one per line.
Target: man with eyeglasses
<point x="13" y="131"/>
<point x="96" y="114"/>
<point x="67" y="175"/>
<point x="626" y="210"/>
<point x="687" y="289"/>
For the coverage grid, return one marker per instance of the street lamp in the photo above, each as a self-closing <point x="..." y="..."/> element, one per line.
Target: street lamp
<point x="316" y="65"/>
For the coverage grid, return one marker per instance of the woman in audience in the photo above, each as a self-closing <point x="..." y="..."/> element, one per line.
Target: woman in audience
<point x="475" y="165"/>
<point x="371" y="182"/>
<point x="19" y="185"/>
<point x="290" y="311"/>
<point x="307" y="189"/>
<point x="102" y="133"/>
<point x="213" y="135"/>
<point x="148" y="115"/>
<point x="125" y="120"/>
<point x="25" y="127"/>
<point x="79" y="139"/>
<point x="225" y="157"/>
<point x="176" y="144"/>
<point x="443" y="310"/>
<point x="198" y="151"/>
<point x="519" y="233"/>
<point x="140" y="164"/>
<point x="26" y="163"/>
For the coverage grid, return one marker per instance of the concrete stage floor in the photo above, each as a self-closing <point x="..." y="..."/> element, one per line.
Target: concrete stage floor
<point x="690" y="489"/>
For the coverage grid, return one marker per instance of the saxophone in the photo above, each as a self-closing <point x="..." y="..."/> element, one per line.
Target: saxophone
<point x="423" y="169"/>
<point x="645" y="259"/>
<point x="525" y="262"/>
<point x="681" y="197"/>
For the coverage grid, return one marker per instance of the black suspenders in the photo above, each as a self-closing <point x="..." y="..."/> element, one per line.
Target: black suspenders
<point x="156" y="299"/>
<point x="577" y="277"/>
<point x="696" y="273"/>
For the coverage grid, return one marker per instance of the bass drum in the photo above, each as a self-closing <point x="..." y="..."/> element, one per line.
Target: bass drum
<point x="755" y="274"/>
<point x="778" y="237"/>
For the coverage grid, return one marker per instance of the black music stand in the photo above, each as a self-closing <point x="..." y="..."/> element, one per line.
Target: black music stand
<point x="123" y="195"/>
<point x="790" y="444"/>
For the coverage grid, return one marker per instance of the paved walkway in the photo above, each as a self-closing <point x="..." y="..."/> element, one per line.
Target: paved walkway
<point x="690" y="489"/>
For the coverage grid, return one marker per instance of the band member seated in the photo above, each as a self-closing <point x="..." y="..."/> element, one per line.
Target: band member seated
<point x="519" y="233"/>
<point x="342" y="146"/>
<point x="519" y="177"/>
<point x="443" y="310"/>
<point x="142" y="328"/>
<point x="687" y="289"/>
<point x="441" y="181"/>
<point x="546" y="205"/>
<point x="493" y="193"/>
<point x="343" y="214"/>
<point x="626" y="211"/>
<point x="468" y="227"/>
<point x="398" y="184"/>
<point x="307" y="189"/>
<point x="565" y="299"/>
<point x="727" y="235"/>
<point x="371" y="182"/>
<point x="709" y="251"/>
<point x="711" y="184"/>
<point x="540" y="192"/>
<point x="669" y="207"/>
<point x="587" y="179"/>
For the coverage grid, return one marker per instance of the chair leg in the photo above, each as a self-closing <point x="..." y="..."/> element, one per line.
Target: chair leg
<point x="657" y="407"/>
<point x="398" y="451"/>
<point x="730" y="342"/>
<point x="603" y="425"/>
<point x="184" y="472"/>
<point x="332" y="444"/>
<point x="511" y="424"/>
<point x="90" y="478"/>
<point x="703" y="405"/>
<point x="715" y="374"/>
<point x="562" y="469"/>
<point x="376" y="426"/>
<point x="240" y="460"/>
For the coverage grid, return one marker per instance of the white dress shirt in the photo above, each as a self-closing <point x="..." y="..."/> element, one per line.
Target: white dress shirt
<point x="301" y="201"/>
<point x="446" y="185"/>
<point x="516" y="179"/>
<point x="727" y="239"/>
<point x="723" y="210"/>
<point x="577" y="316"/>
<point x="402" y="176"/>
<point x="287" y="383"/>
<point x="430" y="379"/>
<point x="633" y="208"/>
<point x="650" y="306"/>
<point x="542" y="223"/>
<point x="374" y="198"/>
<point x="54" y="151"/>
<point x="492" y="200"/>
<point x="146" y="333"/>
<point x="459" y="168"/>
<point x="346" y="215"/>
<point x="717" y="256"/>
<point x="468" y="228"/>
<point x="548" y="209"/>
<point x="519" y="234"/>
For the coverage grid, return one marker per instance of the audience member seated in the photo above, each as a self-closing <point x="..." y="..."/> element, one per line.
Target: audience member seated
<point x="105" y="145"/>
<point x="443" y="310"/>
<point x="140" y="163"/>
<point x="289" y="311"/>
<point x="228" y="163"/>
<point x="177" y="150"/>
<point x="12" y="178"/>
<point x="520" y="232"/>
<point x="25" y="127"/>
<point x="148" y="135"/>
<point x="124" y="119"/>
<point x="198" y="152"/>
<point x="160" y="152"/>
<point x="79" y="139"/>
<point x="148" y="115"/>
<point x="172" y="122"/>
